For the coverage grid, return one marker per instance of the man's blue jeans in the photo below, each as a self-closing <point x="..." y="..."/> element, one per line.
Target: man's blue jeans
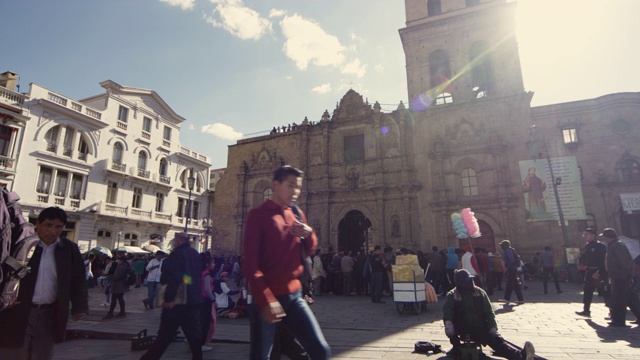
<point x="300" y="321"/>
<point x="152" y="287"/>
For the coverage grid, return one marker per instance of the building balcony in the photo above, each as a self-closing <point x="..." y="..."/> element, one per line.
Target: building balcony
<point x="144" y="173"/>
<point x="165" y="179"/>
<point x="7" y="164"/>
<point x="118" y="166"/>
<point x="11" y="97"/>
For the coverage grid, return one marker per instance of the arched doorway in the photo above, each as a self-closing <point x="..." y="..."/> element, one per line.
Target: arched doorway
<point x="486" y="240"/>
<point x="352" y="231"/>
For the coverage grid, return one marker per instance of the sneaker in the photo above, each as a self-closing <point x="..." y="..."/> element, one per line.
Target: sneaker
<point x="528" y="352"/>
<point x="105" y="304"/>
<point x="146" y="303"/>
<point x="584" y="313"/>
<point x="520" y="302"/>
<point x="206" y="348"/>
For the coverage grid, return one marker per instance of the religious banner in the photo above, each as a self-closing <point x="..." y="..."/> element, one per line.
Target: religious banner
<point x="538" y="189"/>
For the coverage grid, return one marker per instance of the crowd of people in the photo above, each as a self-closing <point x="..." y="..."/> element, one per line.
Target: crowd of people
<point x="193" y="289"/>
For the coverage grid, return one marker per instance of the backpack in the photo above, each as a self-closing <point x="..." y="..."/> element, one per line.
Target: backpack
<point x="18" y="242"/>
<point x="131" y="276"/>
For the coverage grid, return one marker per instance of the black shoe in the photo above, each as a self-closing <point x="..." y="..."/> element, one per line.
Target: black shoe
<point x="121" y="315"/>
<point x="584" y="313"/>
<point x="617" y="325"/>
<point x="146" y="303"/>
<point x="528" y="352"/>
<point x="380" y="302"/>
<point x="559" y="291"/>
<point x="107" y="317"/>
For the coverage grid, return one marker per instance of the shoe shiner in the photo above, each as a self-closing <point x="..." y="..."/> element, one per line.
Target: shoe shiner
<point x="469" y="321"/>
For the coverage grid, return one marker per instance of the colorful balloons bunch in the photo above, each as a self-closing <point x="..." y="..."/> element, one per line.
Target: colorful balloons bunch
<point x="470" y="222"/>
<point x="458" y="226"/>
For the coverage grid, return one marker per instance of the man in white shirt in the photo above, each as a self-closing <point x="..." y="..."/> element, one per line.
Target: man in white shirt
<point x="154" y="269"/>
<point x="30" y="328"/>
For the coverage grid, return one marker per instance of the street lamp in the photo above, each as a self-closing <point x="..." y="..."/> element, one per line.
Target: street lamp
<point x="190" y="182"/>
<point x="533" y="148"/>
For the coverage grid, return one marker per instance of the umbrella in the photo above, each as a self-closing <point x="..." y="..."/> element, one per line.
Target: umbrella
<point x="131" y="250"/>
<point x="151" y="248"/>
<point x="632" y="244"/>
<point x="101" y="250"/>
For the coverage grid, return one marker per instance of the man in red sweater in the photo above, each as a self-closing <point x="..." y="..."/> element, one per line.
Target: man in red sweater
<point x="271" y="264"/>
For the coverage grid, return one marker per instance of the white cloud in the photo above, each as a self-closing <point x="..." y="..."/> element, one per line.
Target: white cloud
<point x="322" y="89"/>
<point x="277" y="13"/>
<point x="308" y="43"/>
<point x="183" y="4"/>
<point x="239" y="20"/>
<point x="191" y="127"/>
<point x="379" y="67"/>
<point x="354" y="68"/>
<point x="222" y="131"/>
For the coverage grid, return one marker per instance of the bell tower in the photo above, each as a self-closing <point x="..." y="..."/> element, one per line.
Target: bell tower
<point x="461" y="50"/>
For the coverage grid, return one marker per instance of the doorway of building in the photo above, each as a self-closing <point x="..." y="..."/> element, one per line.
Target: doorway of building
<point x="486" y="240"/>
<point x="630" y="224"/>
<point x="352" y="232"/>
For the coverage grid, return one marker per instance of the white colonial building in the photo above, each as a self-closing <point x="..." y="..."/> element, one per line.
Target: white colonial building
<point x="114" y="162"/>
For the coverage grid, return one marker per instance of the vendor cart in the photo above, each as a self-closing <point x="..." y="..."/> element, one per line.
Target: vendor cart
<point x="409" y="290"/>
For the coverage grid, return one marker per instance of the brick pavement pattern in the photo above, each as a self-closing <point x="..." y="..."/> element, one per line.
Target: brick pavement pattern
<point x="358" y="329"/>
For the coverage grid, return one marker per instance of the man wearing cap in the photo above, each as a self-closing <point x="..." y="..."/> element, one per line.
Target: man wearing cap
<point x="595" y="276"/>
<point x="511" y="264"/>
<point x="468" y="315"/>
<point x="182" y="267"/>
<point x="620" y="267"/>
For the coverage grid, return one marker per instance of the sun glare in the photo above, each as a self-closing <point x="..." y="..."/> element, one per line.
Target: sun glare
<point x="558" y="38"/>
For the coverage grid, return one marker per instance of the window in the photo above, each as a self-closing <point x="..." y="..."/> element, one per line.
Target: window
<point x="51" y="138"/>
<point x="142" y="160"/>
<point x="62" y="177"/>
<point x="117" y="153"/>
<point x="131" y="239"/>
<point x="440" y="74"/>
<point x="629" y="170"/>
<point x="112" y="192"/>
<point x="180" y="212"/>
<point x="266" y="194"/>
<point x="76" y="186"/>
<point x="482" y="71"/>
<point x="163" y="167"/>
<point x="166" y="134"/>
<point x="44" y="180"/>
<point x="196" y="210"/>
<point x="83" y="149"/>
<point x="469" y="182"/>
<point x="434" y="7"/>
<point x="123" y="113"/>
<point x="159" y="202"/>
<point x="68" y="141"/>
<point x="146" y="124"/>
<point x="354" y="148"/>
<point x="570" y="136"/>
<point x="137" y="198"/>
<point x="5" y="140"/>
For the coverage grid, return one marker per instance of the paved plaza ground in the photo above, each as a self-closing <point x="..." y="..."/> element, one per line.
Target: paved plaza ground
<point x="358" y="329"/>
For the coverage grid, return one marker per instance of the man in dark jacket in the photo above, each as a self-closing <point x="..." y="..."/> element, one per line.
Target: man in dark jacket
<point x="468" y="315"/>
<point x="29" y="329"/>
<point x="183" y="266"/>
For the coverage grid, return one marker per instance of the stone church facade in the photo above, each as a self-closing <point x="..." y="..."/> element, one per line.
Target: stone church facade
<point x="393" y="179"/>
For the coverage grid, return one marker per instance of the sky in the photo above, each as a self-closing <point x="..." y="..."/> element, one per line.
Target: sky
<point x="236" y="68"/>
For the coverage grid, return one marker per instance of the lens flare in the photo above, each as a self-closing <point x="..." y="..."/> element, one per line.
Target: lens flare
<point x="187" y="280"/>
<point x="384" y="130"/>
<point x="421" y="102"/>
